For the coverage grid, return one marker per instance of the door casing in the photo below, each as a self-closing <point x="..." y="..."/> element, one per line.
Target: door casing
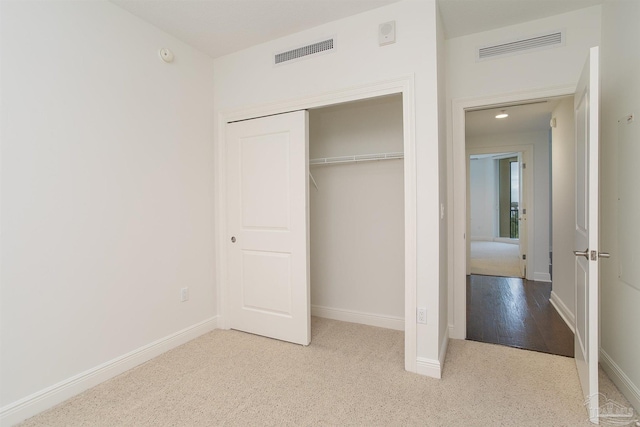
<point x="402" y="85"/>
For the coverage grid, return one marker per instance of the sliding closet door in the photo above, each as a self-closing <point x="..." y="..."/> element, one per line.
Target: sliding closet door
<point x="267" y="217"/>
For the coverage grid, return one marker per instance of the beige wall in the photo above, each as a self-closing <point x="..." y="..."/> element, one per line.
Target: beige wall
<point x="563" y="217"/>
<point x="107" y="195"/>
<point x="248" y="79"/>
<point x="620" y="298"/>
<point x="443" y="188"/>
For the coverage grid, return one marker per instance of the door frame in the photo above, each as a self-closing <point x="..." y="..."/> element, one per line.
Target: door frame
<point x="403" y="85"/>
<point x="527" y="151"/>
<point x="457" y="194"/>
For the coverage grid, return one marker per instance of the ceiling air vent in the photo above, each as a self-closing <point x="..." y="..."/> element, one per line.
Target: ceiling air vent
<point x="301" y="52"/>
<point x="548" y="40"/>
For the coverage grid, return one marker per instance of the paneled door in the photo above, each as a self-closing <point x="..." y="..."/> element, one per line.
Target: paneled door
<point x="267" y="226"/>
<point x="586" y="244"/>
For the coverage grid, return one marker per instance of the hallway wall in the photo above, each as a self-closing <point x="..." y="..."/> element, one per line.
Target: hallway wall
<point x="563" y="217"/>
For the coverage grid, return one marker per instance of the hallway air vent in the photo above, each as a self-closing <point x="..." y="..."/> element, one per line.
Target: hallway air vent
<point x="548" y="40"/>
<point x="312" y="49"/>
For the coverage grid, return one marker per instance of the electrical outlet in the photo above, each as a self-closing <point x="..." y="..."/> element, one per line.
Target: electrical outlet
<point x="184" y="294"/>
<point x="422" y="316"/>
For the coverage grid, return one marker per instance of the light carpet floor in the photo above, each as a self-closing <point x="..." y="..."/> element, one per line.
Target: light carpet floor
<point x="350" y="375"/>
<point x="495" y="259"/>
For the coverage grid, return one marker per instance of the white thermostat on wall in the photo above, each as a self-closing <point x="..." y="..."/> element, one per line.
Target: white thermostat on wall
<point x="166" y="55"/>
<point x="387" y="33"/>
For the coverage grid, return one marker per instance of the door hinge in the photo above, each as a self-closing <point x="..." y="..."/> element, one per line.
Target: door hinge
<point x="524" y="256"/>
<point x="524" y="166"/>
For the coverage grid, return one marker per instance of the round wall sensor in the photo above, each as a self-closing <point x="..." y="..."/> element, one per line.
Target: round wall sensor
<point x="166" y="55"/>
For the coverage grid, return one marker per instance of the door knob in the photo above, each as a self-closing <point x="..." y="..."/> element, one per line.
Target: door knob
<point x="584" y="253"/>
<point x="593" y="255"/>
<point x="233" y="239"/>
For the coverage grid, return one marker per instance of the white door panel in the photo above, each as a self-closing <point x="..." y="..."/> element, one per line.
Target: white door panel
<point x="586" y="232"/>
<point x="265" y="174"/>
<point x="267" y="218"/>
<point x="266" y="284"/>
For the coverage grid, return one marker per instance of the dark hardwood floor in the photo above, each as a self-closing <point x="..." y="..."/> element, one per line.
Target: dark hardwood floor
<point x="516" y="313"/>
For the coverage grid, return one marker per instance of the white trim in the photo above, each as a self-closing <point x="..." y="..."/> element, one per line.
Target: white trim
<point x="456" y="163"/>
<point x="381" y="321"/>
<point x="620" y="379"/>
<point x="57" y="393"/>
<point x="429" y="367"/>
<point x="481" y="238"/>
<point x="403" y="85"/>
<point x="542" y="277"/>
<point x="355" y="93"/>
<point x="443" y="349"/>
<point x="506" y="240"/>
<point x="564" y="312"/>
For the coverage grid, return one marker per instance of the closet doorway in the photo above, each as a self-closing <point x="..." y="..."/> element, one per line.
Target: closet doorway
<point x="357" y="212"/>
<point x="400" y="92"/>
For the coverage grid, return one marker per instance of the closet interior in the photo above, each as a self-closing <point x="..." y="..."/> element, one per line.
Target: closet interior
<point x="356" y="196"/>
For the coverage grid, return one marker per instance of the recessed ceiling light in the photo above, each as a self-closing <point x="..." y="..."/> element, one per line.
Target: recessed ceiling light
<point x="502" y="115"/>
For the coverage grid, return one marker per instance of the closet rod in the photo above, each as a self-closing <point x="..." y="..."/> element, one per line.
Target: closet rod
<point x="356" y="158"/>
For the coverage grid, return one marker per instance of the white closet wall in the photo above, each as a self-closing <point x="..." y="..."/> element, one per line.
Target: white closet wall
<point x="357" y="212"/>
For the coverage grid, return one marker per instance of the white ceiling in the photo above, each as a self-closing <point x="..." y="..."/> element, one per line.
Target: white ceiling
<point x="463" y="17"/>
<point x="219" y="27"/>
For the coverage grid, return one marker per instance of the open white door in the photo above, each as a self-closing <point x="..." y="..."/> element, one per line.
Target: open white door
<point x="586" y="232"/>
<point x="267" y="225"/>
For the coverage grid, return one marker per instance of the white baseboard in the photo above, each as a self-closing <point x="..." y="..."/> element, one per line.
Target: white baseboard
<point x="429" y="367"/>
<point x="620" y="379"/>
<point x="456" y="334"/>
<point x="481" y="238"/>
<point x="506" y="240"/>
<point x="541" y="277"/>
<point x="564" y="312"/>
<point x="380" y="321"/>
<point x="44" y="399"/>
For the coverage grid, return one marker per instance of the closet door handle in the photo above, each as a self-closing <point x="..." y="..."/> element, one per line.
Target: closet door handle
<point x="233" y="239"/>
<point x="584" y="253"/>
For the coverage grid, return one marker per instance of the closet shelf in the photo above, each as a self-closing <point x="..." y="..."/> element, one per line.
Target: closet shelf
<point x="356" y="158"/>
